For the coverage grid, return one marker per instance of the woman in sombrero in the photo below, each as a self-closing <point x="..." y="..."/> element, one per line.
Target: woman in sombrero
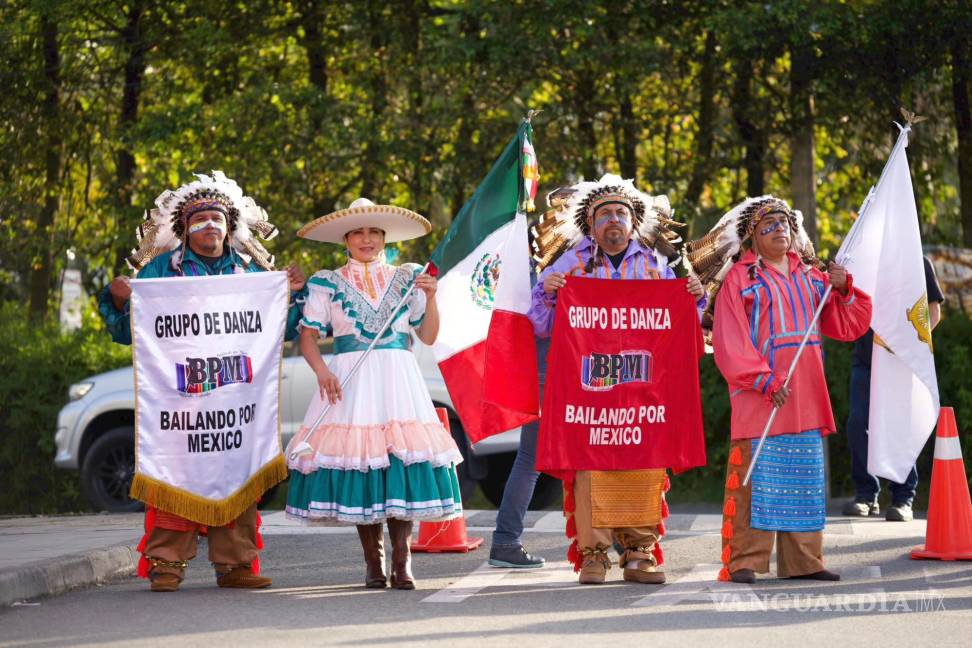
<point x="380" y="454"/>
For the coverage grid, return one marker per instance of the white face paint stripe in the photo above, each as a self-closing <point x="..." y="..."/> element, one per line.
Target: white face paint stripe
<point x="198" y="227"/>
<point x="948" y="448"/>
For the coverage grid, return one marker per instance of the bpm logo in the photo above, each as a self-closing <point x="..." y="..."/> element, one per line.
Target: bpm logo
<point x="203" y="375"/>
<point x="602" y="371"/>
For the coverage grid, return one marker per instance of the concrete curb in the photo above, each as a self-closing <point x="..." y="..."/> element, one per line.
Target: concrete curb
<point x="59" y="575"/>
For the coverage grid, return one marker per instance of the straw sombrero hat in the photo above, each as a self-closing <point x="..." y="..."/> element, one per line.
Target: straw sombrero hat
<point x="399" y="224"/>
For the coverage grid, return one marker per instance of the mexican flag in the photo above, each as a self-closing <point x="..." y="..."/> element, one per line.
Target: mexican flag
<point x="485" y="347"/>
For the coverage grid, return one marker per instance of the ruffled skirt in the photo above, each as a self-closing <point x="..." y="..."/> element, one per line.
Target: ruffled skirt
<point x="380" y="452"/>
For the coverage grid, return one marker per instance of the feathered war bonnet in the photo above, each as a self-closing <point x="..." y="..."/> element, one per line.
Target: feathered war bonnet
<point x="714" y="254"/>
<point x="164" y="227"/>
<point x="565" y="222"/>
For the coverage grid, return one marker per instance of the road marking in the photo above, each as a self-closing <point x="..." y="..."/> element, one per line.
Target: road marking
<point x="479" y="579"/>
<point x="692" y="587"/>
<point x="877" y="527"/>
<point x="954" y="576"/>
<point x="706" y="523"/>
<point x="701" y="585"/>
<point x="558" y="574"/>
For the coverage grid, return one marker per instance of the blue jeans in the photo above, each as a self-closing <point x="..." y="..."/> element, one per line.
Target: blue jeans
<point x="523" y="476"/>
<point x="866" y="486"/>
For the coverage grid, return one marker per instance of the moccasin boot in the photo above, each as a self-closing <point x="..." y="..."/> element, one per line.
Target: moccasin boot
<point x="165" y="575"/>
<point x="400" y="532"/>
<point x="241" y="577"/>
<point x="372" y="538"/>
<point x="164" y="582"/>
<point x="747" y="576"/>
<point x="594" y="568"/>
<point x="640" y="566"/>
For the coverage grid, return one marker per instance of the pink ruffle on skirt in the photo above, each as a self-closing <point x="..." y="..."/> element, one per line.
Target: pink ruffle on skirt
<point x="367" y="447"/>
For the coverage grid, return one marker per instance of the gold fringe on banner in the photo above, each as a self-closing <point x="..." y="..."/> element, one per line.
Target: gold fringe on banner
<point x="216" y="513"/>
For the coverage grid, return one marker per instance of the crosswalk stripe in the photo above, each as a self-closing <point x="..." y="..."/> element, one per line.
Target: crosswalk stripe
<point x="479" y="579"/>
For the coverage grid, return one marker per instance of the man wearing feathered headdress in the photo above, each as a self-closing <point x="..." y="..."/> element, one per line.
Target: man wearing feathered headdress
<point x="200" y="229"/>
<point x="761" y="271"/>
<point x="606" y="229"/>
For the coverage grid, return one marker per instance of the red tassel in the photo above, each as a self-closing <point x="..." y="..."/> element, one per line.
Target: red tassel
<point x="733" y="482"/>
<point x="735" y="456"/>
<point x="667" y="486"/>
<point x="724" y="575"/>
<point x="143" y="564"/>
<point x="726" y="554"/>
<point x="574" y="556"/>
<point x="664" y="509"/>
<point x="727" y="530"/>
<point x="569" y="505"/>
<point x="730" y="507"/>
<point x="259" y="536"/>
<point x="571" y="527"/>
<point x="660" y="529"/>
<point x="658" y="554"/>
<point x="255" y="565"/>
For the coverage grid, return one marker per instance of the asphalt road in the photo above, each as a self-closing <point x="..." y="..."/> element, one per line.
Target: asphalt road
<point x="884" y="599"/>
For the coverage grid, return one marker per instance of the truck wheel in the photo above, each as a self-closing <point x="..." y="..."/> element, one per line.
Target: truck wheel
<point x="108" y="469"/>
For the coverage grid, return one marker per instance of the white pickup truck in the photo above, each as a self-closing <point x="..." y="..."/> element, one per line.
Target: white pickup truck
<point x="95" y="433"/>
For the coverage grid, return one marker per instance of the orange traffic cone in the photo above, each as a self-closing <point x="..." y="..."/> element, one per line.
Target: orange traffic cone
<point x="443" y="537"/>
<point x="448" y="536"/>
<point x="949" y="533"/>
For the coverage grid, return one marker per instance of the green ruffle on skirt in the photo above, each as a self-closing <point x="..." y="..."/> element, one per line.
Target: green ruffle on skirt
<point x="415" y="492"/>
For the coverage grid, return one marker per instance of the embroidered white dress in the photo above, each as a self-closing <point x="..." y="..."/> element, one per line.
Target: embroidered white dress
<point x="381" y="451"/>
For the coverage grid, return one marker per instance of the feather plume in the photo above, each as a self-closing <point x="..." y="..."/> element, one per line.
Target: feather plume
<point x="159" y="232"/>
<point x="565" y="223"/>
<point x="713" y="255"/>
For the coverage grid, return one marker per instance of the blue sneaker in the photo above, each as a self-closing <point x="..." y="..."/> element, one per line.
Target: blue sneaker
<point x="515" y="557"/>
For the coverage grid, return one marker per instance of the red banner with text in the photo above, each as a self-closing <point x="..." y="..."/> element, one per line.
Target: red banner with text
<point x="622" y="388"/>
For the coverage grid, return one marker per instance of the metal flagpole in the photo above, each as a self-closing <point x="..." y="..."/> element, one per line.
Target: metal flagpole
<point x="361" y="358"/>
<point x="850" y="241"/>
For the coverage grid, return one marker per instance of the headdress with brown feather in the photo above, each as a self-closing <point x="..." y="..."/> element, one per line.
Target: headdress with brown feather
<point x="565" y="222"/>
<point x="714" y="254"/>
<point x="164" y="227"/>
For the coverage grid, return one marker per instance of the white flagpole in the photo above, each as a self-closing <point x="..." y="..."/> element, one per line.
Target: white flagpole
<point x="843" y="254"/>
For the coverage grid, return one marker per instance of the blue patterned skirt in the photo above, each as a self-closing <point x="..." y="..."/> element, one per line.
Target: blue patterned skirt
<point x="788" y="483"/>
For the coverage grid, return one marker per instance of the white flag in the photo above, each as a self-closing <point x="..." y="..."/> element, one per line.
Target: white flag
<point x="887" y="264"/>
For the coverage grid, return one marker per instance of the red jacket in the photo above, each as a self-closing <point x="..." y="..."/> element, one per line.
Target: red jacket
<point x="757" y="328"/>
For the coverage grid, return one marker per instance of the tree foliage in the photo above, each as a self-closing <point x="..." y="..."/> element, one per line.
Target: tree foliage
<point x="311" y="103"/>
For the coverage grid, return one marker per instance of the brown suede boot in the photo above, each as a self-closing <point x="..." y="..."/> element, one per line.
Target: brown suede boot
<point x="640" y="566"/>
<point x="164" y="582"/>
<point x="372" y="538"/>
<point x="241" y="577"/>
<point x="165" y="575"/>
<point x="401" y="538"/>
<point x="595" y="566"/>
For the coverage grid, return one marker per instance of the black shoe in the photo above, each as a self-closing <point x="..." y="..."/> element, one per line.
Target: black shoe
<point x="515" y="557"/>
<point x="861" y="508"/>
<point x="900" y="513"/>
<point x="743" y="576"/>
<point x="822" y="575"/>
